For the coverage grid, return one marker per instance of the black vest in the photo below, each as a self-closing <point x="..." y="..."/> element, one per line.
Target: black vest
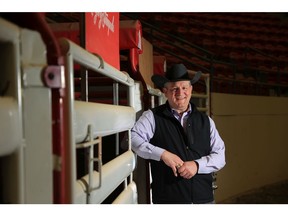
<point x="170" y="135"/>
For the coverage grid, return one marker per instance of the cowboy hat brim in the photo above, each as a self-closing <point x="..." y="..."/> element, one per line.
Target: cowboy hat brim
<point x="160" y="81"/>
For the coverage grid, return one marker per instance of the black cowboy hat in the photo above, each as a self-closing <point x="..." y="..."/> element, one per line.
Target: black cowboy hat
<point x="177" y="72"/>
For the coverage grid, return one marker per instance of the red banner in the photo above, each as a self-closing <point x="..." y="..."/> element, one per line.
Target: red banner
<point x="102" y="36"/>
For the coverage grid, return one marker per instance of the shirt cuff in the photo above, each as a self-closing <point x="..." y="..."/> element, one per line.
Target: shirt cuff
<point x="201" y="164"/>
<point x="157" y="152"/>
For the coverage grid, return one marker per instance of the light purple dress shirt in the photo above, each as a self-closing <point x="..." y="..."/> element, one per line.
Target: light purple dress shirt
<point x="144" y="129"/>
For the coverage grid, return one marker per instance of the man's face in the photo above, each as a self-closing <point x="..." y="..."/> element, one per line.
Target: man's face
<point x="178" y="94"/>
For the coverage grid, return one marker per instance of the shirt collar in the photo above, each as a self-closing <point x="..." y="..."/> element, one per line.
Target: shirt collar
<point x="187" y="112"/>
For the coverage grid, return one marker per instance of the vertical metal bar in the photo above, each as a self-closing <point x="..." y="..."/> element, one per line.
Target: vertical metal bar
<point x="116" y="93"/>
<point x="132" y="104"/>
<point x="84" y="85"/>
<point x="90" y="163"/>
<point x="70" y="148"/>
<point x="152" y="101"/>
<point x="18" y="91"/>
<point x="131" y="96"/>
<point x="129" y="140"/>
<point x="92" y="160"/>
<point x="116" y="102"/>
<point x="100" y="160"/>
<point x="129" y="149"/>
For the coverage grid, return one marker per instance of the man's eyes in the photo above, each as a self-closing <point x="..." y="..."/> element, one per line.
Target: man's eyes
<point x="176" y="89"/>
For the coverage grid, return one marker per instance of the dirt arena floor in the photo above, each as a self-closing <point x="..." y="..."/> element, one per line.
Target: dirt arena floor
<point x="272" y="194"/>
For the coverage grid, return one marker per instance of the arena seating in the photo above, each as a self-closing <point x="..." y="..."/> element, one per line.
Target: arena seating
<point x="252" y="45"/>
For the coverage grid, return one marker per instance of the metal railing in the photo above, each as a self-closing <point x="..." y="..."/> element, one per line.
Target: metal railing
<point x="96" y="185"/>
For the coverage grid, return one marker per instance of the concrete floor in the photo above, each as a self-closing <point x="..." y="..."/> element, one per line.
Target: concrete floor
<point x="271" y="194"/>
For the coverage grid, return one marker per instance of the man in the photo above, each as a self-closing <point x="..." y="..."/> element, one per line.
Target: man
<point x="182" y="144"/>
